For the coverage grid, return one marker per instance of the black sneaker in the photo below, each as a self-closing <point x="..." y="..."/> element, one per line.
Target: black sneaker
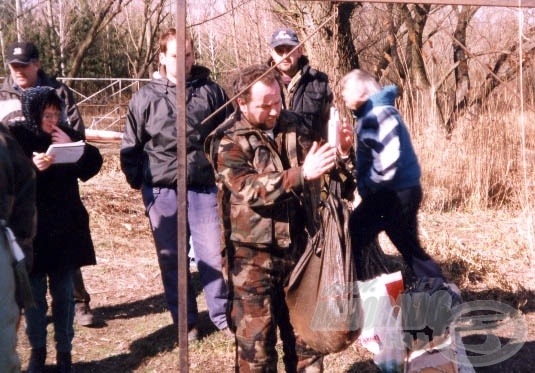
<point x="64" y="362"/>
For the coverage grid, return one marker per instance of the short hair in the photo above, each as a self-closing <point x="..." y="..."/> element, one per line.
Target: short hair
<point x="249" y="75"/>
<point x="366" y="80"/>
<point x="170" y="34"/>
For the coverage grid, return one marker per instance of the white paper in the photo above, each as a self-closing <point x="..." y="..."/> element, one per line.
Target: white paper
<point x="333" y="127"/>
<point x="66" y="153"/>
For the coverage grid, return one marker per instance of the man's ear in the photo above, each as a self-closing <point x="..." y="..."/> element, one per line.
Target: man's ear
<point x="241" y="104"/>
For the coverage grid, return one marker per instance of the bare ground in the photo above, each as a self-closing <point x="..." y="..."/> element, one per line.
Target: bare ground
<point x="488" y="254"/>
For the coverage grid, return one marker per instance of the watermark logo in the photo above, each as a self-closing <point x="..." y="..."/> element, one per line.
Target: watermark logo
<point x="486" y="318"/>
<point x="385" y="322"/>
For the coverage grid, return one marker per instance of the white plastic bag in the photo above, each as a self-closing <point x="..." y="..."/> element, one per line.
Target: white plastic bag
<point x="381" y="331"/>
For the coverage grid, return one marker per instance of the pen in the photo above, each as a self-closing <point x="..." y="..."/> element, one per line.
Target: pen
<point x="46" y="157"/>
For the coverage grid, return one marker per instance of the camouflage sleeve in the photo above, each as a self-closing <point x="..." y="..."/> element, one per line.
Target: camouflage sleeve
<point x="254" y="187"/>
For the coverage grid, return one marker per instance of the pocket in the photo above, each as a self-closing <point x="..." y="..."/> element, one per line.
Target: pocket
<point x="149" y="194"/>
<point x="251" y="226"/>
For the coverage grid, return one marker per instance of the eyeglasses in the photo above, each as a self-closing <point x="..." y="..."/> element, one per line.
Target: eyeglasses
<point x="55" y="116"/>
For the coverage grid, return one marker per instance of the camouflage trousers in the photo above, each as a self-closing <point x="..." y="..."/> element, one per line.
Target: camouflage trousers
<point x="258" y="308"/>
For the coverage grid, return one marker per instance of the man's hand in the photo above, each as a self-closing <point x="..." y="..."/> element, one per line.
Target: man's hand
<point x="318" y="161"/>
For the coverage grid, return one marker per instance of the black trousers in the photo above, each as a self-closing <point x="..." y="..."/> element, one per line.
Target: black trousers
<point x="395" y="213"/>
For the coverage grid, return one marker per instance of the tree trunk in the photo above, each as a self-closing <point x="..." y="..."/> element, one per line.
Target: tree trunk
<point x="102" y="18"/>
<point x="423" y="96"/>
<point x="462" y="78"/>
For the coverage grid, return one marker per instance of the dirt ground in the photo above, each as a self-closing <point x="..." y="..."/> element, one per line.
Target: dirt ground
<point x="488" y="254"/>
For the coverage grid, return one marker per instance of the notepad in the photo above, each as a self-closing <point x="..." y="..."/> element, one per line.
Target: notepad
<point x="67" y="152"/>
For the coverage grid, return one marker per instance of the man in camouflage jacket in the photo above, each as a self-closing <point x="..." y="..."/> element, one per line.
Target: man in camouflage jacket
<point x="264" y="158"/>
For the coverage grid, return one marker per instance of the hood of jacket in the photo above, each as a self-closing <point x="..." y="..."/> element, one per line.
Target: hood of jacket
<point x="198" y="76"/>
<point x="385" y="97"/>
<point x="33" y="104"/>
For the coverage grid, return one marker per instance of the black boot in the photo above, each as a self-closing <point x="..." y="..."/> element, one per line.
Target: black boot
<point x="64" y="362"/>
<point x="37" y="360"/>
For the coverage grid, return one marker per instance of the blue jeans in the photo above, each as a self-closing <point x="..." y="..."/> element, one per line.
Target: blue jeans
<point x="60" y="282"/>
<point x="203" y="227"/>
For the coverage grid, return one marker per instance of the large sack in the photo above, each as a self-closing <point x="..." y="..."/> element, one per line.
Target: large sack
<point x="322" y="294"/>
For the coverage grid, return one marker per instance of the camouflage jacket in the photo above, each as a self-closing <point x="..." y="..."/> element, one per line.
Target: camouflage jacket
<point x="260" y="179"/>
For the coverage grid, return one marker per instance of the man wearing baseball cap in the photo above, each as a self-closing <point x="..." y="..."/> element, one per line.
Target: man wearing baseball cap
<point x="25" y="70"/>
<point x="306" y="90"/>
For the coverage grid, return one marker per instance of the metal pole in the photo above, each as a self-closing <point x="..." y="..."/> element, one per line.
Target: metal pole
<point x="181" y="186"/>
<point x="497" y="3"/>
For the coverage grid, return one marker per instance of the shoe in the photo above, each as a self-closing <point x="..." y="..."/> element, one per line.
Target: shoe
<point x="83" y="314"/>
<point x="64" y="362"/>
<point x="37" y="360"/>
<point x="227" y="333"/>
<point x="193" y="334"/>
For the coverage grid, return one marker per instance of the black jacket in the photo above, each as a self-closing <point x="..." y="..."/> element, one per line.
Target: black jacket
<point x="312" y="98"/>
<point x="10" y="108"/>
<point x="17" y="191"/>
<point x="148" y="149"/>
<point x="63" y="237"/>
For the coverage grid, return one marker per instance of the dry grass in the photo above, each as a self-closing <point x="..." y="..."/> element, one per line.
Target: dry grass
<point x="486" y="252"/>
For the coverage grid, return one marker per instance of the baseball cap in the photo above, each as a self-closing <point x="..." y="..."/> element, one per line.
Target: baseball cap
<point x="22" y="52"/>
<point x="285" y="36"/>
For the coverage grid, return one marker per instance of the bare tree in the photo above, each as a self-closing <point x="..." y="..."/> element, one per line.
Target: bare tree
<point x="329" y="46"/>
<point x="460" y="59"/>
<point x="142" y="24"/>
<point x="104" y="13"/>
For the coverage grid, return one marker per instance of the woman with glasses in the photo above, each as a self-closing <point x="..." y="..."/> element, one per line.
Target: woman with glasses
<point x="63" y="241"/>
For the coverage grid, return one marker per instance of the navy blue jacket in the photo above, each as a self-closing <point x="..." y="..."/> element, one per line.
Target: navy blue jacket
<point x="386" y="159"/>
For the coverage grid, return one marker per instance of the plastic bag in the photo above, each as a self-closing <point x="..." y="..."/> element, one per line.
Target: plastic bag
<point x="23" y="291"/>
<point x="381" y="331"/>
<point x="322" y="295"/>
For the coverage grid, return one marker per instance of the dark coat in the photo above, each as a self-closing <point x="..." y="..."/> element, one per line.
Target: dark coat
<point x="63" y="237"/>
<point x="312" y="98"/>
<point x="17" y="191"/>
<point x="148" y="150"/>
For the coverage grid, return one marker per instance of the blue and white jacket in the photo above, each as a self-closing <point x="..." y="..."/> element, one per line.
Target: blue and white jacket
<point x="385" y="156"/>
